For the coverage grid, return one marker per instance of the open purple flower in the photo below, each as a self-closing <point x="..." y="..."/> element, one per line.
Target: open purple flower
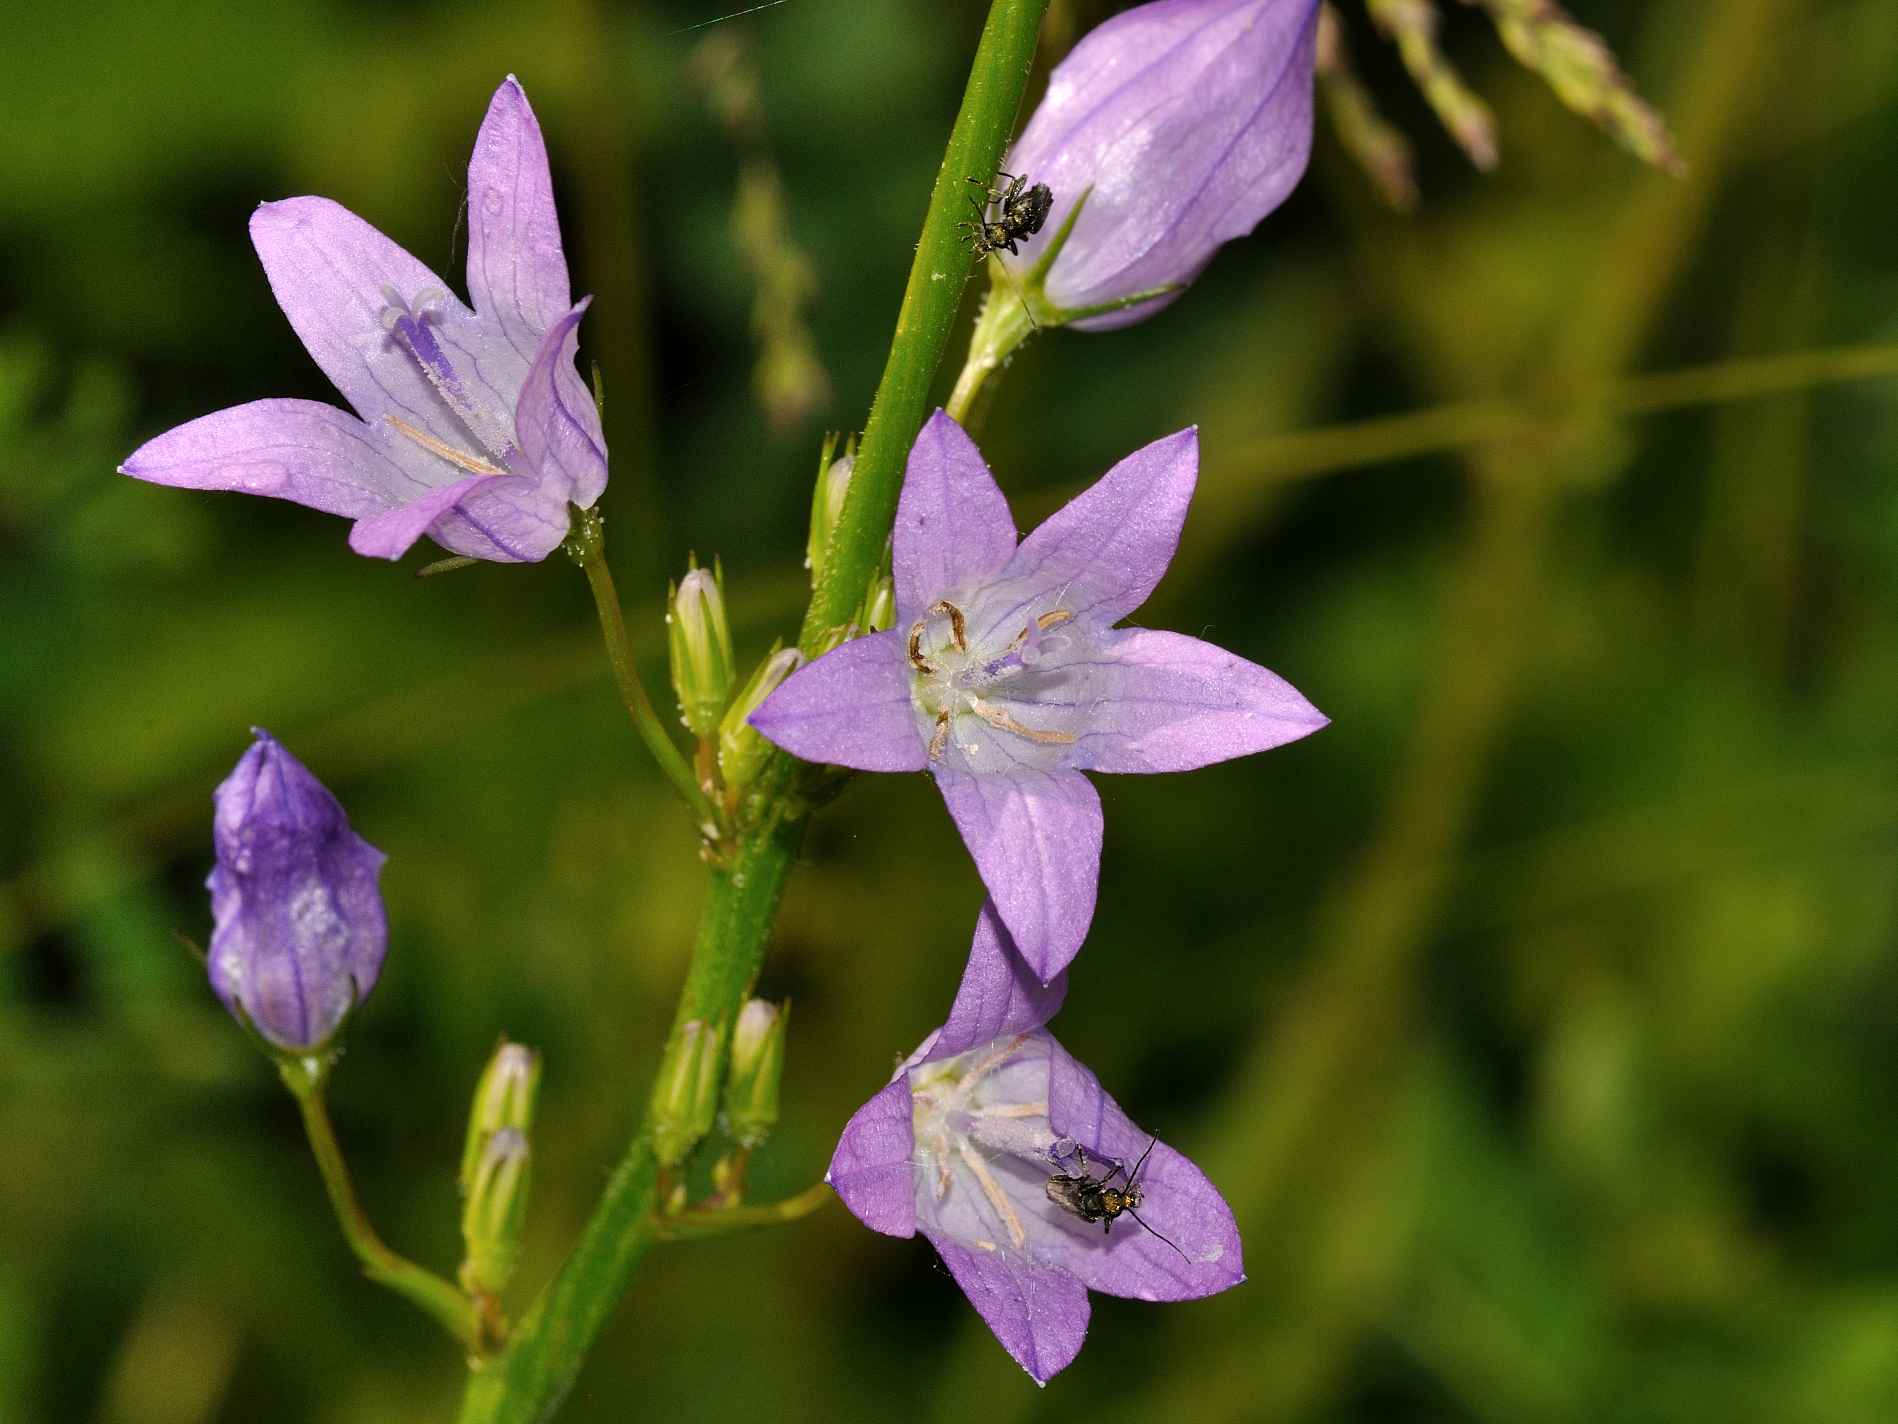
<point x="963" y="1146"/>
<point x="300" y="928"/>
<point x="1184" y="123"/>
<point x="475" y="427"/>
<point x="1005" y="677"/>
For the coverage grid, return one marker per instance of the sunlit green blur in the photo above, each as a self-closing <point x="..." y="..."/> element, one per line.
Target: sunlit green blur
<point x="1539" y="1018"/>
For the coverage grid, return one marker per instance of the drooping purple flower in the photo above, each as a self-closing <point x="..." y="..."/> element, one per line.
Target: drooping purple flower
<point x="300" y="930"/>
<point x="962" y="1146"/>
<point x="475" y="427"/>
<point x="1005" y="677"/>
<point x="1184" y="122"/>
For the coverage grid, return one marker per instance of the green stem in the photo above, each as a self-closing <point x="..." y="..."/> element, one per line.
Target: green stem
<point x="551" y="1342"/>
<point x="928" y="316"/>
<point x="586" y="546"/>
<point x="692" y="1224"/>
<point x="1004" y="323"/>
<point x="456" y="1314"/>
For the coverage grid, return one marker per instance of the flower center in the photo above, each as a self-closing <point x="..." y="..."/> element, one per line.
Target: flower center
<point x="411" y="326"/>
<point x="969" y="1115"/>
<point x="1021" y="687"/>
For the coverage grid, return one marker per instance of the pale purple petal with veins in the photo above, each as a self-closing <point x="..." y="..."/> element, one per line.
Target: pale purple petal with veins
<point x="1039" y="1313"/>
<point x="298" y="450"/>
<point x="1102" y="553"/>
<point x="1190" y="120"/>
<point x="517" y="272"/>
<point x="300" y="930"/>
<point x="953" y="527"/>
<point x="1168" y="702"/>
<point x="1036" y="840"/>
<point x="474" y="426"/>
<point x="962" y="1145"/>
<point x="849" y="708"/>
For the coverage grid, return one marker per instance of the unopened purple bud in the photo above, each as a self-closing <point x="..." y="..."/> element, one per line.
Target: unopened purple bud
<point x="300" y="930"/>
<point x="1183" y="122"/>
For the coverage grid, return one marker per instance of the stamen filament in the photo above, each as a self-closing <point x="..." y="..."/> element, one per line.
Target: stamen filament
<point x="996" y="717"/>
<point x="958" y="625"/>
<point x="473" y="464"/>
<point x="993" y="1191"/>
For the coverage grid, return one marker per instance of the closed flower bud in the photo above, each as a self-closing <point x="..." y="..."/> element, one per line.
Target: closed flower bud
<point x="685" y="1097"/>
<point x="827" y="503"/>
<point x="879" y="609"/>
<point x="300" y="930"/>
<point x="751" y="1093"/>
<point x="701" y="643"/>
<point x="503" y="1099"/>
<point x="1173" y="127"/>
<point x="495" y="1212"/>
<point x="741" y="751"/>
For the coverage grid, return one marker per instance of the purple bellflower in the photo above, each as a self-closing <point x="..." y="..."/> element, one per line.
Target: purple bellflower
<point x="475" y="427"/>
<point x="300" y="930"/>
<point x="964" y="1143"/>
<point x="1006" y="679"/>
<point x="1177" y="126"/>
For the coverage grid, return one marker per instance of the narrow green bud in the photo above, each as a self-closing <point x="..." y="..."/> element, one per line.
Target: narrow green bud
<point x="827" y="502"/>
<point x="503" y="1098"/>
<point x="703" y="668"/>
<point x="751" y="1093"/>
<point x="741" y="751"/>
<point x="495" y="1212"/>
<point x="685" y="1098"/>
<point x="879" y="609"/>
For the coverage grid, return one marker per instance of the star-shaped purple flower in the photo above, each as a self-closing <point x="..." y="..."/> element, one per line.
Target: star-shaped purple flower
<point x="475" y="427"/>
<point x="1005" y="677"/>
<point x="984" y="1140"/>
<point x="300" y="926"/>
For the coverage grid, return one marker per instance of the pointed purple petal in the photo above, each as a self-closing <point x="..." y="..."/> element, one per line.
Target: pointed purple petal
<point x="1101" y="554"/>
<point x="953" y="528"/>
<point x="390" y="534"/>
<point x="1036" y="840"/>
<point x="333" y="275"/>
<point x="556" y="421"/>
<point x="517" y="272"/>
<point x="849" y="708"/>
<point x="1039" y="1313"/>
<point x="1181" y="1204"/>
<point x="1167" y="702"/>
<point x="304" y="451"/>
<point x="871" y="1169"/>
<point x="1000" y="995"/>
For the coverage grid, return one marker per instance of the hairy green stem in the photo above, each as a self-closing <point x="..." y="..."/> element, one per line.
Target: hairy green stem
<point x="928" y="316"/>
<point x="305" y="1077"/>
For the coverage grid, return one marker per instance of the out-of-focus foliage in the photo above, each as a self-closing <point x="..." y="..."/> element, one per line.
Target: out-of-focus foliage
<point x="1540" y="1018"/>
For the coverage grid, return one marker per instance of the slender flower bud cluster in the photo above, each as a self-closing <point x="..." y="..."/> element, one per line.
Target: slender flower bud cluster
<point x="685" y="1097"/>
<point x="700" y="640"/>
<point x="496" y="1162"/>
<point x="751" y="1092"/>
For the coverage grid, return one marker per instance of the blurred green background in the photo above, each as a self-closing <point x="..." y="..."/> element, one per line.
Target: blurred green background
<point x="1539" y="1018"/>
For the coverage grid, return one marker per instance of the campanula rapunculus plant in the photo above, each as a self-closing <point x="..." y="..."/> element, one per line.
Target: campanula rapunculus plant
<point x="962" y="1146"/>
<point x="300" y="930"/>
<point x="1178" y="125"/>
<point x="474" y="428"/>
<point x="1005" y="677"/>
